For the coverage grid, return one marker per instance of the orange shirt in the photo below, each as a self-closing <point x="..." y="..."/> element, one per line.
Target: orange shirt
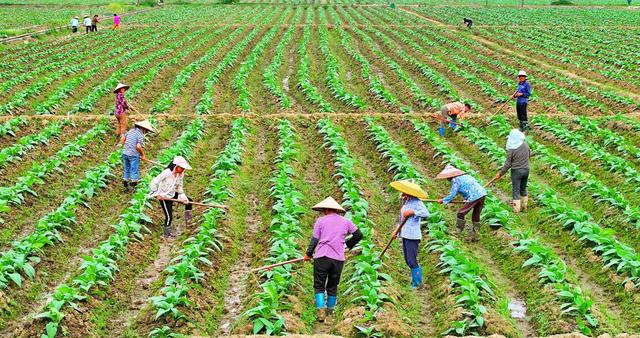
<point x="455" y="108"/>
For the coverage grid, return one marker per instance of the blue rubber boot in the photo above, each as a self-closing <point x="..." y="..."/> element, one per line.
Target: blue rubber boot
<point x="320" y="301"/>
<point x="453" y="125"/>
<point x="441" y="131"/>
<point x="331" y="302"/>
<point x="416" y="277"/>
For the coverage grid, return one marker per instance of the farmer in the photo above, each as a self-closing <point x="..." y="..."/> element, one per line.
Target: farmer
<point x="86" y="22"/>
<point x="327" y="249"/>
<point x="468" y="22"/>
<point x="169" y="185"/>
<point x="518" y="154"/>
<point x="94" y="23"/>
<point x="522" y="98"/>
<point x="116" y="21"/>
<point x="453" y="110"/>
<point x="414" y="211"/>
<point x="473" y="194"/>
<point x="74" y="24"/>
<point x="121" y="108"/>
<point x="132" y="152"/>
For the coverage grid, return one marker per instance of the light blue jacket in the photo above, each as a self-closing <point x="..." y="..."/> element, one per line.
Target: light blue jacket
<point x="467" y="186"/>
<point x="411" y="229"/>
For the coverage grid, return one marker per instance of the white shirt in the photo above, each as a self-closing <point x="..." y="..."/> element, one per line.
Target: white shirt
<point x="166" y="184"/>
<point x="87" y="21"/>
<point x="74" y="22"/>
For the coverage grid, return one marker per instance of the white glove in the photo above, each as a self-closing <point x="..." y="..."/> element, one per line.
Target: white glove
<point x="183" y="199"/>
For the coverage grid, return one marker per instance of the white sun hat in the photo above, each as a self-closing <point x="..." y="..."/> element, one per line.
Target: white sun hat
<point x="522" y="73"/>
<point x="181" y="162"/>
<point x="328" y="203"/>
<point x="120" y="85"/>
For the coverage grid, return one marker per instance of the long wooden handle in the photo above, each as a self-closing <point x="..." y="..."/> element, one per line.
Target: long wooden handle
<point x="440" y="118"/>
<point x="491" y="182"/>
<point x="269" y="267"/>
<point x="436" y="201"/>
<point x="154" y="162"/>
<point x="393" y="236"/>
<point x="219" y="206"/>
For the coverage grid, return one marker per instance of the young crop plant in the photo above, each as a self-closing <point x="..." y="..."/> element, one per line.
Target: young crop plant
<point x="553" y="268"/>
<point x="166" y="101"/>
<point x="269" y="76"/>
<point x="104" y="88"/>
<point x="596" y="152"/>
<point x="472" y="290"/>
<point x="285" y="233"/>
<point x="366" y="281"/>
<point x="332" y="64"/>
<point x="15" y="152"/>
<point x="10" y="127"/>
<point x="185" y="270"/>
<point x="19" y="259"/>
<point x="610" y="138"/>
<point x="15" y="193"/>
<point x="101" y="266"/>
<point x="310" y="91"/>
<point x="571" y="172"/>
<point x="239" y="82"/>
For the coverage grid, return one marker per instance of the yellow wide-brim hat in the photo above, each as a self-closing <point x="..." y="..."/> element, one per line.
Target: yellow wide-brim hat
<point x="409" y="188"/>
<point x="328" y="203"/>
<point x="145" y="124"/>
<point x="449" y="172"/>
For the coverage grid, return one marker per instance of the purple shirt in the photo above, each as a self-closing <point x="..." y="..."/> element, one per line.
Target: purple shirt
<point x="116" y="20"/>
<point x="121" y="104"/>
<point x="331" y="230"/>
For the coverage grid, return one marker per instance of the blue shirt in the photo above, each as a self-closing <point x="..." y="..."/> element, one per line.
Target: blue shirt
<point x="131" y="140"/>
<point x="467" y="186"/>
<point x="411" y="229"/>
<point x="525" y="89"/>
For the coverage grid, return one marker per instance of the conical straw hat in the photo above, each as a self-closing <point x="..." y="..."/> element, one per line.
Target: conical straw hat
<point x="328" y="203"/>
<point x="145" y="125"/>
<point x="409" y="188"/>
<point x="449" y="171"/>
<point x="120" y="85"/>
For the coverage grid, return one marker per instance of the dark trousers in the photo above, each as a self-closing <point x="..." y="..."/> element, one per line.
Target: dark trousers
<point x="476" y="206"/>
<point x="521" y="110"/>
<point x="94" y="28"/>
<point x="410" y="248"/>
<point x="88" y="29"/>
<point x="74" y="29"/>
<point x="519" y="179"/>
<point x="326" y="275"/>
<point x="167" y="209"/>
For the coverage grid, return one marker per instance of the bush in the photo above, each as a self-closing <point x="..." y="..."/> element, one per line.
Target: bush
<point x="562" y="3"/>
<point x="115" y="8"/>
<point x="229" y="1"/>
<point x="148" y="3"/>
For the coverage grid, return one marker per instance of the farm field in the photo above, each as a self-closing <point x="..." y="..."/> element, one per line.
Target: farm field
<point x="277" y="107"/>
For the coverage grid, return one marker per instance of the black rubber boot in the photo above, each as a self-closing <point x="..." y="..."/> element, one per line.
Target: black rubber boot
<point x="126" y="186"/>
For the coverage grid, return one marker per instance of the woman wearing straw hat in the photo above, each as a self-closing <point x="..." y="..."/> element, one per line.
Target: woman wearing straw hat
<point x="121" y="108"/>
<point x="518" y="154"/>
<point x="75" y="23"/>
<point x="132" y="152"/>
<point x="86" y="22"/>
<point x="413" y="210"/>
<point x="168" y="185"/>
<point x="473" y="194"/>
<point x="327" y="249"/>
<point x="522" y="99"/>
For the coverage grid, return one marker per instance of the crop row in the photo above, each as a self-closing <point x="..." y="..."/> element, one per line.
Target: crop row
<point x="100" y="268"/>
<point x="15" y="152"/>
<point x="15" y="193"/>
<point x="310" y="91"/>
<point x="185" y="270"/>
<point x="286" y="232"/>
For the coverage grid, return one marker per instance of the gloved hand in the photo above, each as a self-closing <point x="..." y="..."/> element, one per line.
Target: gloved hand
<point x="440" y="200"/>
<point x="183" y="199"/>
<point x="307" y="258"/>
<point x="498" y="176"/>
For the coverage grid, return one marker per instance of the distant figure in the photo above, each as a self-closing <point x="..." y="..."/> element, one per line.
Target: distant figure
<point x="94" y="23"/>
<point x="74" y="24"/>
<point x="468" y="22"/>
<point x="522" y="99"/>
<point x="116" y="21"/>
<point x="86" y="22"/>
<point x="629" y="2"/>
